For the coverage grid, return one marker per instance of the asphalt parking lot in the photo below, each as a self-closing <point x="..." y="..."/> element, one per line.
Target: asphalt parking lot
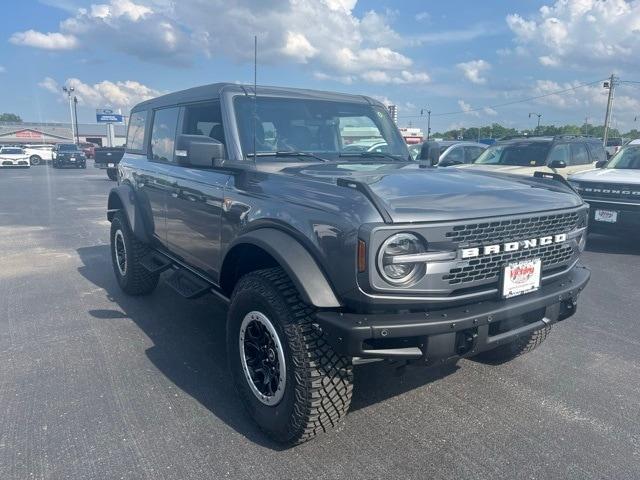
<point x="95" y="384"/>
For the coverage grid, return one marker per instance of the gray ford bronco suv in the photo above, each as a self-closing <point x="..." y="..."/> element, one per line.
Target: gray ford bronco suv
<point x="329" y="257"/>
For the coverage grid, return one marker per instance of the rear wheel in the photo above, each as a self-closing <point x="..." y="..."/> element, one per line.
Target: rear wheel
<point x="126" y="255"/>
<point x="35" y="160"/>
<point x="112" y="174"/>
<point x="519" y="346"/>
<point x="290" y="380"/>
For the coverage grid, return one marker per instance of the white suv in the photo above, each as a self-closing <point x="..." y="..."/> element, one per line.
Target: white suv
<point x="38" y="154"/>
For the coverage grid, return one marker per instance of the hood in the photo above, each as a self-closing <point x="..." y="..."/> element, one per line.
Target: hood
<point x="609" y="175"/>
<point x="413" y="194"/>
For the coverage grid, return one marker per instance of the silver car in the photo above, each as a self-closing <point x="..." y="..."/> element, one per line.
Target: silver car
<point x="453" y="152"/>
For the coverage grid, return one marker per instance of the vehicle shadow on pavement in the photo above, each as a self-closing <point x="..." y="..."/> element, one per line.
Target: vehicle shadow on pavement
<point x="189" y="348"/>
<point x="609" y="244"/>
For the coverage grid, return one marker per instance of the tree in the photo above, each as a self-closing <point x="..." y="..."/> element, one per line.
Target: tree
<point x="10" y="117"/>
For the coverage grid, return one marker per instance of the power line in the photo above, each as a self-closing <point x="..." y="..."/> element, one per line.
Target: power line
<point x="513" y="102"/>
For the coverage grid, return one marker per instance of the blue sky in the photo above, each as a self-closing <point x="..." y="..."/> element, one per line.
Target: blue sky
<point x="457" y="57"/>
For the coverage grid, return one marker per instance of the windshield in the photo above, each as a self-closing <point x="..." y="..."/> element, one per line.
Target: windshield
<point x="67" y="147"/>
<point x="532" y="154"/>
<point x="628" y="158"/>
<point x="11" y="150"/>
<point x="325" y="128"/>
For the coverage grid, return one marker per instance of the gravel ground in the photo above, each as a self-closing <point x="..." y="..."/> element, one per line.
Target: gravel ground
<point x="95" y="384"/>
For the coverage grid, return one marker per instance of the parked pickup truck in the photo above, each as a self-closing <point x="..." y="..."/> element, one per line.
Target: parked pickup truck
<point x="329" y="257"/>
<point x="108" y="158"/>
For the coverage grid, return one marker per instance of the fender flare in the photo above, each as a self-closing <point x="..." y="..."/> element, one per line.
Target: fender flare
<point x="123" y="198"/>
<point x="295" y="259"/>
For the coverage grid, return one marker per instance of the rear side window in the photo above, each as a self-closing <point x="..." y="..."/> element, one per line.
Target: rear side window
<point x="163" y="134"/>
<point x="579" y="154"/>
<point x="135" y="135"/>
<point x="204" y="119"/>
<point x="598" y="152"/>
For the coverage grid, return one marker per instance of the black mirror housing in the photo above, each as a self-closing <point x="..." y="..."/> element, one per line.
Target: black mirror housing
<point x="199" y="151"/>
<point x="557" y="164"/>
<point x="601" y="163"/>
<point x="430" y="153"/>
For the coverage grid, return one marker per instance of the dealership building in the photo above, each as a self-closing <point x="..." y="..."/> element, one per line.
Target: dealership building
<point x="50" y="133"/>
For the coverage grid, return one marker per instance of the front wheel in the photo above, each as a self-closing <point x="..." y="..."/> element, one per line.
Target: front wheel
<point x="290" y="380"/>
<point x="519" y="346"/>
<point x="126" y="255"/>
<point x="35" y="160"/>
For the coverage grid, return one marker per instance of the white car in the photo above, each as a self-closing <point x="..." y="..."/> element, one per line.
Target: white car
<point x="13" y="157"/>
<point x="39" y="153"/>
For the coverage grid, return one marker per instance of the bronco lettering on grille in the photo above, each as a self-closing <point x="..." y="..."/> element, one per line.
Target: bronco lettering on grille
<point x="512" y="246"/>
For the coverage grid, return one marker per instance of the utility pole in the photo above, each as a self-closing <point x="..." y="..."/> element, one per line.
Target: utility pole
<point x="428" y="122"/>
<point x="586" y="125"/>
<point x="69" y="91"/>
<point x="537" y="115"/>
<point x="607" y="118"/>
<point x="75" y="114"/>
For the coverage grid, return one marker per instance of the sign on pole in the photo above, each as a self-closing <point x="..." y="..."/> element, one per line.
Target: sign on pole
<point x="106" y="115"/>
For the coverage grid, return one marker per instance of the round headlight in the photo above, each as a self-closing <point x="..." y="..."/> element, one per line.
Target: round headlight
<point x="390" y="264"/>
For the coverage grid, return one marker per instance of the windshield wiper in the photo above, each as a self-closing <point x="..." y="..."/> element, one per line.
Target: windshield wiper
<point x="292" y="153"/>
<point x="373" y="154"/>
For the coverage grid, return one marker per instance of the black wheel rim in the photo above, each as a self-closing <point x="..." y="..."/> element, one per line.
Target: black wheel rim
<point x="262" y="358"/>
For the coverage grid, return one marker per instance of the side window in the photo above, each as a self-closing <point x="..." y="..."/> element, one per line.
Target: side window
<point x="163" y="134"/>
<point x="598" y="152"/>
<point x="471" y="153"/>
<point x="560" y="153"/>
<point x="455" y="155"/>
<point x="579" y="154"/>
<point x="135" y="134"/>
<point x="204" y="119"/>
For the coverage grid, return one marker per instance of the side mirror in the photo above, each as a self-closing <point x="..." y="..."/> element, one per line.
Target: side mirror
<point x="430" y="152"/>
<point x="199" y="151"/>
<point x="557" y="164"/>
<point x="601" y="163"/>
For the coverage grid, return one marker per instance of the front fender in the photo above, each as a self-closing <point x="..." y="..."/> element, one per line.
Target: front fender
<point x="302" y="268"/>
<point x="123" y="198"/>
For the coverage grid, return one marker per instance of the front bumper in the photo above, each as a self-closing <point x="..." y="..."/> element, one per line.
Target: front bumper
<point x="15" y="163"/>
<point x="442" y="335"/>
<point x="628" y="220"/>
<point x="68" y="162"/>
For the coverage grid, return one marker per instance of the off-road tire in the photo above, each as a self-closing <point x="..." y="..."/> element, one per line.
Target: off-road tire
<point x="319" y="382"/>
<point x="137" y="280"/>
<point x="112" y="174"/>
<point x="519" y="346"/>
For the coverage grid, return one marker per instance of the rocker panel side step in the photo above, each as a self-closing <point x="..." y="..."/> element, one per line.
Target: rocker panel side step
<point x="187" y="284"/>
<point x="155" y="263"/>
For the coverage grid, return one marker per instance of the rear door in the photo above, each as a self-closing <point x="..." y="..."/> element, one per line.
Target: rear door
<point x="194" y="203"/>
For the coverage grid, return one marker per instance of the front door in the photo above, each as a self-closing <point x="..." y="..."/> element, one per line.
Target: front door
<point x="194" y="203"/>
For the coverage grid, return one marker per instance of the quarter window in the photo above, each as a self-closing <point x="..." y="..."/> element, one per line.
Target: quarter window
<point x="135" y="135"/>
<point x="163" y="134"/>
<point x="579" y="154"/>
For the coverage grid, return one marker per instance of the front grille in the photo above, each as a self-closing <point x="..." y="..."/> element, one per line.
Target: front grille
<point x="488" y="269"/>
<point x="611" y="192"/>
<point x="514" y="230"/>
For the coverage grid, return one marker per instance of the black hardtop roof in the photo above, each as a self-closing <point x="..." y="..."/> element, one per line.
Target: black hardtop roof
<point x="214" y="90"/>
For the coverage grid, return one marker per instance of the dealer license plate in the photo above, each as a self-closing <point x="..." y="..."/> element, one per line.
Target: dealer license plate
<point x="111" y="165"/>
<point x="72" y="159"/>
<point x="608" y="216"/>
<point x="521" y="277"/>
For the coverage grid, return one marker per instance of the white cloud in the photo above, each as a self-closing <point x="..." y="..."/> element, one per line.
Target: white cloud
<point x="489" y="111"/>
<point x="468" y="109"/>
<point x="475" y="70"/>
<point x="46" y="41"/>
<point x="2" y="69"/>
<point x="582" y="33"/>
<point x="341" y="45"/>
<point x="423" y="16"/>
<point x="122" y="94"/>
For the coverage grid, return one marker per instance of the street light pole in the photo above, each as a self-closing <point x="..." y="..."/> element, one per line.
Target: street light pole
<point x="537" y="115"/>
<point x="607" y="117"/>
<point x="75" y="113"/>
<point x="428" y="123"/>
<point x="69" y="91"/>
